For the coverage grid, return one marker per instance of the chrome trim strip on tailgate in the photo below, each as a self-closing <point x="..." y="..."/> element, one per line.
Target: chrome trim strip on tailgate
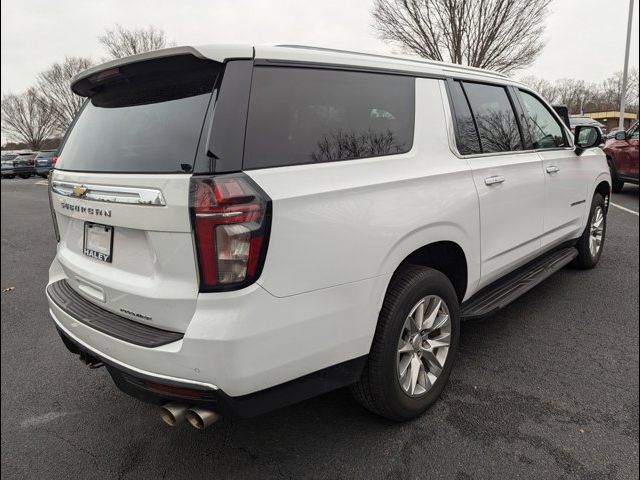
<point x="106" y="193"/>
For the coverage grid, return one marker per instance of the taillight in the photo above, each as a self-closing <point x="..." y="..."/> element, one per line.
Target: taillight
<point x="54" y="160"/>
<point x="231" y="219"/>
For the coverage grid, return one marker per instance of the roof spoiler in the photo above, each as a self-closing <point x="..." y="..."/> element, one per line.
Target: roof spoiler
<point x="85" y="83"/>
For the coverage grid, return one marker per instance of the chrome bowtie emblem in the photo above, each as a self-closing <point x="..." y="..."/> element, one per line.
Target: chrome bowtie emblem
<point x="79" y="191"/>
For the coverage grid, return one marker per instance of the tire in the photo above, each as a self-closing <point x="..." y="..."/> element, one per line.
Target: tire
<point x="586" y="257"/>
<point x="379" y="389"/>
<point x="10" y="176"/>
<point x="24" y="176"/>
<point x="43" y="176"/>
<point x="616" y="184"/>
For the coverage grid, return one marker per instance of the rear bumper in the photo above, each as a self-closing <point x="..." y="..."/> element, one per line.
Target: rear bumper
<point x="629" y="179"/>
<point x="18" y="171"/>
<point x="43" y="169"/>
<point x="150" y="389"/>
<point x="247" y="341"/>
<point x="22" y="170"/>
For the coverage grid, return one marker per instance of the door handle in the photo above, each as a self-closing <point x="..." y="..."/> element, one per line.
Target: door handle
<point x="552" y="169"/>
<point x="494" y="180"/>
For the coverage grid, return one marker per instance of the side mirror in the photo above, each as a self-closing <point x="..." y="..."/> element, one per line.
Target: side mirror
<point x="621" y="135"/>
<point x="586" y="137"/>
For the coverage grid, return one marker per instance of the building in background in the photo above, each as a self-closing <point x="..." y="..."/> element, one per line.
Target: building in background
<point x="610" y="119"/>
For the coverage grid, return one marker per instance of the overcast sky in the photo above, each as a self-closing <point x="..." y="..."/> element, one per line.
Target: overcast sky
<point x="585" y="37"/>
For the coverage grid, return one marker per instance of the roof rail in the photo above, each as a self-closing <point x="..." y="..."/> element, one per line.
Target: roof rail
<point x="391" y="57"/>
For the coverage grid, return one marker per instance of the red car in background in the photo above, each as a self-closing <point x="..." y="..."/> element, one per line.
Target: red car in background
<point x="622" y="155"/>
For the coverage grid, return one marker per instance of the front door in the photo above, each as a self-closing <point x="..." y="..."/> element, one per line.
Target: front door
<point x="566" y="175"/>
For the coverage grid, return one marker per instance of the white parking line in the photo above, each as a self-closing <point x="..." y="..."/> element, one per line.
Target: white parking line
<point x="624" y="208"/>
<point x="42" y="182"/>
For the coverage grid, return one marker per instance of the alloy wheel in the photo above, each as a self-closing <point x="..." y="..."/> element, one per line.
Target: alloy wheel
<point x="597" y="231"/>
<point x="423" y="345"/>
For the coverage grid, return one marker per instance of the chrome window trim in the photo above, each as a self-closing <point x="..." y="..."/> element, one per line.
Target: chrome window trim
<point x="110" y="194"/>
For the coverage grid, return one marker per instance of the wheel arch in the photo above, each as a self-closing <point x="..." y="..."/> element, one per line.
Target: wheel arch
<point x="448" y="258"/>
<point x="445" y="246"/>
<point x="603" y="187"/>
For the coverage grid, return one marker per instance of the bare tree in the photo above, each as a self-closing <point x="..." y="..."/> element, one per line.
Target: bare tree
<point x="610" y="91"/>
<point x="28" y="118"/>
<point x="580" y="96"/>
<point x="121" y="42"/>
<point x="543" y="87"/>
<point x="54" y="85"/>
<point x="343" y="145"/>
<point x="572" y="93"/>
<point x="501" y="35"/>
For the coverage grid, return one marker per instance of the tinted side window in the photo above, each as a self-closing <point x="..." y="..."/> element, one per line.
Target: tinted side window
<point x="497" y="124"/>
<point x="299" y="116"/>
<point x="466" y="134"/>
<point x="545" y="130"/>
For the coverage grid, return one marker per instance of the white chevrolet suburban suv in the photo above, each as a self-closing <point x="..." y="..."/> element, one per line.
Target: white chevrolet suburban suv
<point x="240" y="228"/>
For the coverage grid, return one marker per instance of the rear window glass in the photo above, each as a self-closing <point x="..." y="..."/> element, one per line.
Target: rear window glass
<point x="495" y="118"/>
<point x="298" y="116"/>
<point x="151" y="123"/>
<point x="46" y="155"/>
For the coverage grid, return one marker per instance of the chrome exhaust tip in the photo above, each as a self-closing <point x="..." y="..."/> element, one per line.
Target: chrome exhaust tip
<point x="201" y="418"/>
<point x="173" y="413"/>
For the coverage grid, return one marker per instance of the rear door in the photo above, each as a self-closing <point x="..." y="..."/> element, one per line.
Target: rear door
<point x="508" y="180"/>
<point x="120" y="190"/>
<point x="567" y="176"/>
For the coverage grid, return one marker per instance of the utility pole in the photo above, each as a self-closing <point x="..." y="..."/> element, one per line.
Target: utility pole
<point x="623" y="93"/>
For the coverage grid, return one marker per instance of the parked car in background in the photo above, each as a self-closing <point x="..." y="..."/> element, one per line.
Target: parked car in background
<point x="576" y="120"/>
<point x="7" y="165"/>
<point x="22" y="165"/>
<point x="622" y="156"/>
<point x="45" y="161"/>
<point x="612" y="133"/>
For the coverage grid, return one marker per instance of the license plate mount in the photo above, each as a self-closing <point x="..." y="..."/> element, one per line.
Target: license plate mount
<point x="98" y="241"/>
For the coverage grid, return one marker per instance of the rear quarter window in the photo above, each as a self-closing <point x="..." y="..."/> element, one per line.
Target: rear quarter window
<point x="299" y="116"/>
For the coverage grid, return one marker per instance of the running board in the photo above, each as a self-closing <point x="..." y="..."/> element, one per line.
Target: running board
<point x="504" y="291"/>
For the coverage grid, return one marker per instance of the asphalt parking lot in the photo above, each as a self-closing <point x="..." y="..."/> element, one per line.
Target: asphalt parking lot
<point x="548" y="388"/>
